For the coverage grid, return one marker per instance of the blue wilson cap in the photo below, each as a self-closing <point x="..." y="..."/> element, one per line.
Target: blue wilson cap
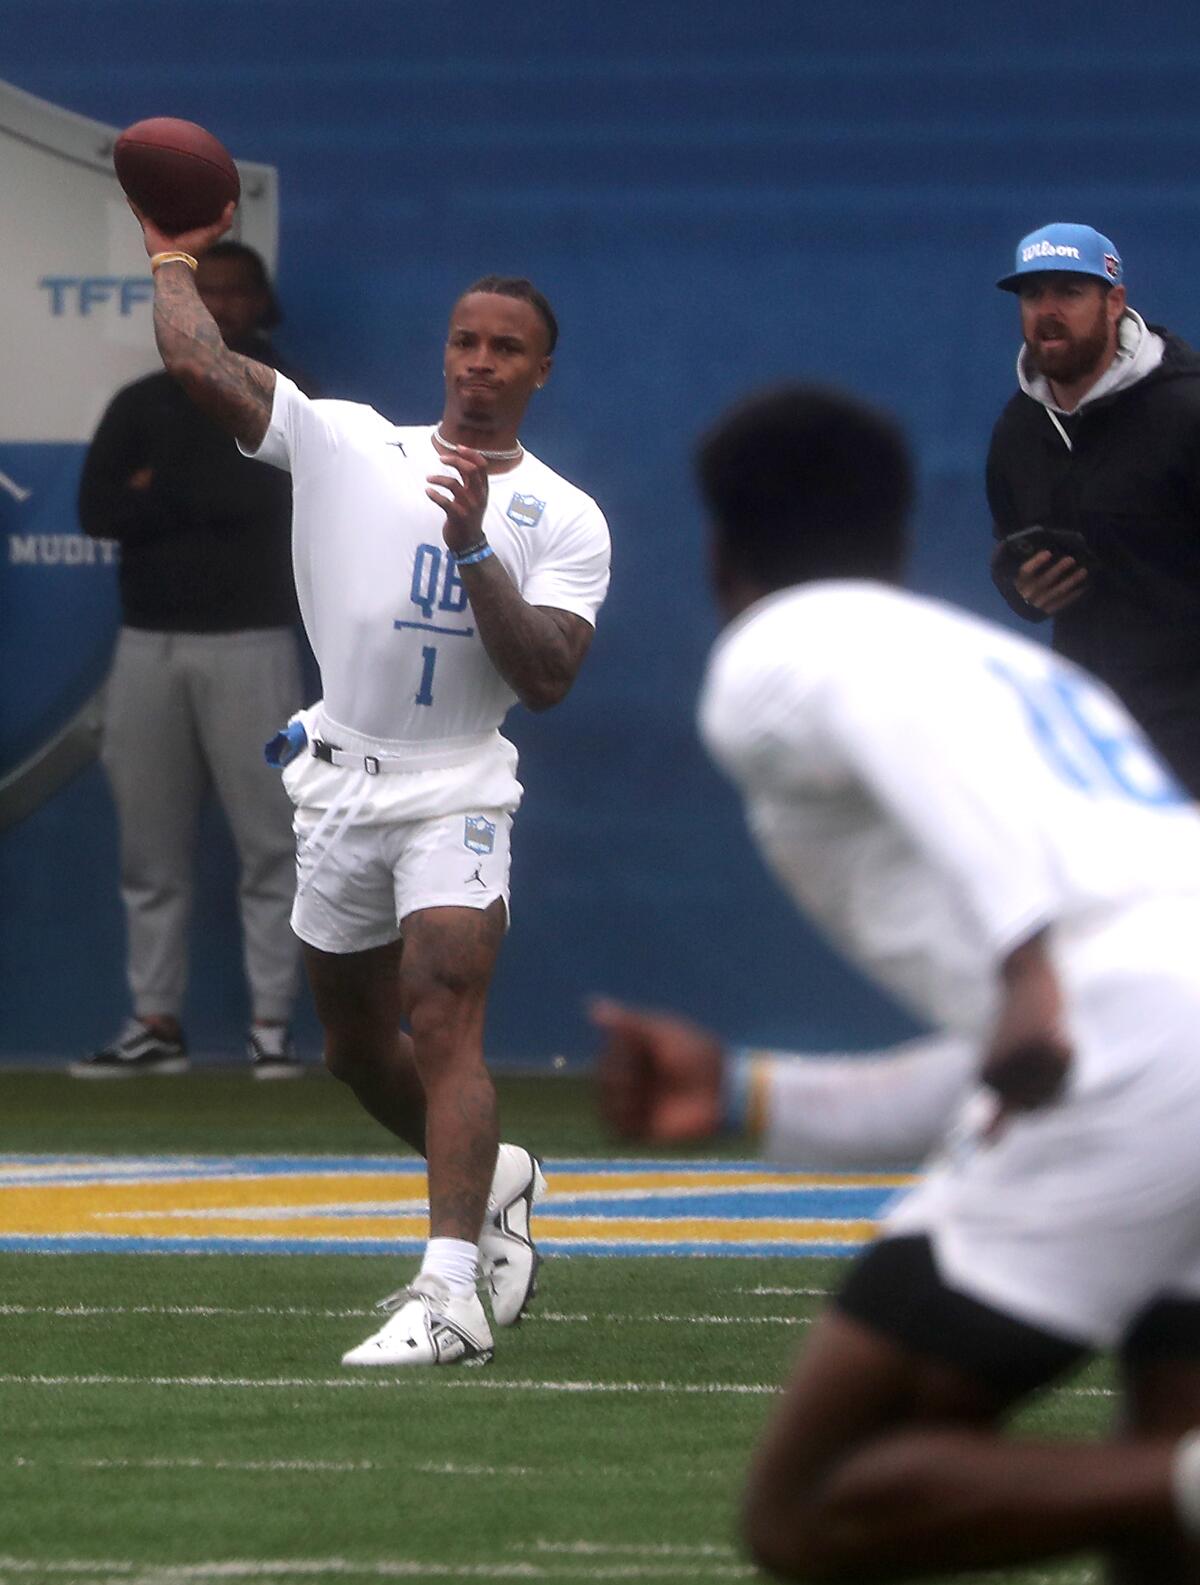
<point x="1077" y="250"/>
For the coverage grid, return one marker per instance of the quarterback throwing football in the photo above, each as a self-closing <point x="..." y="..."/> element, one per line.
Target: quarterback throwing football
<point x="443" y="573"/>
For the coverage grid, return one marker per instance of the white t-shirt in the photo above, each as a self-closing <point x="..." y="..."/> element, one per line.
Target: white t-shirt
<point x="933" y="790"/>
<point x="385" y="611"/>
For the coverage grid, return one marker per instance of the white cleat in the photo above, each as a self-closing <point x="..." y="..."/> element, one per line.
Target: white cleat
<point x="508" y="1258"/>
<point x="427" y="1327"/>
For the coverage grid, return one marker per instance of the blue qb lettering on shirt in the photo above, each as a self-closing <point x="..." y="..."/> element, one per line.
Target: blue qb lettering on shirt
<point x="427" y="574"/>
<point x="1087" y="742"/>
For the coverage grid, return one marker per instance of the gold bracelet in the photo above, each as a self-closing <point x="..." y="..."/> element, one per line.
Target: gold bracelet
<point x="159" y="259"/>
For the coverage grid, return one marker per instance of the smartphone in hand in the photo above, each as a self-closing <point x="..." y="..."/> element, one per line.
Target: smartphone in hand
<point x="1026" y="542"/>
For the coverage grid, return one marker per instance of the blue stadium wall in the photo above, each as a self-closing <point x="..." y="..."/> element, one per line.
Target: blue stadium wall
<point x="713" y="197"/>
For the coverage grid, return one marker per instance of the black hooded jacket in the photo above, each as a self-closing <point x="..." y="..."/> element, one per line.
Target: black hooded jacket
<point x="206" y="545"/>
<point x="1130" y="484"/>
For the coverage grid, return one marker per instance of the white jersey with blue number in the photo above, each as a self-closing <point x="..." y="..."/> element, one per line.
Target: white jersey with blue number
<point x="384" y="608"/>
<point x="932" y="790"/>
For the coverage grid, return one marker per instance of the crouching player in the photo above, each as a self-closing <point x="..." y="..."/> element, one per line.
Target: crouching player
<point x="981" y="828"/>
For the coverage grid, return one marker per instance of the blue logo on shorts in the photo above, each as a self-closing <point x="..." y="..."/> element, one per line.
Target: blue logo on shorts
<point x="526" y="510"/>
<point x="479" y="834"/>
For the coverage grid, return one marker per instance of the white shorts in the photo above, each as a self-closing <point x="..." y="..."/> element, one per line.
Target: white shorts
<point x="1082" y="1214"/>
<point x="372" y="849"/>
<point x="354" y="892"/>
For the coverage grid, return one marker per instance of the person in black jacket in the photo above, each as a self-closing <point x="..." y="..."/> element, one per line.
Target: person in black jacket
<point x="206" y="667"/>
<point x="1102" y="442"/>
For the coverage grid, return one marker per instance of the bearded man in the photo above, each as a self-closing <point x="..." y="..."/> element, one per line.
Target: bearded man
<point x="1093" y="479"/>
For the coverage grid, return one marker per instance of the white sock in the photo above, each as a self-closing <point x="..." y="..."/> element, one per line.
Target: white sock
<point x="454" y="1261"/>
<point x="1185" y="1482"/>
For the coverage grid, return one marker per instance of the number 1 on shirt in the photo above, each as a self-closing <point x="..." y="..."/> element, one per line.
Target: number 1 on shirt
<point x="424" y="694"/>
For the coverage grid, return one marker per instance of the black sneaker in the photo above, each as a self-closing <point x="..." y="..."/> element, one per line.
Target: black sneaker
<point x="137" y="1049"/>
<point x="271" y="1053"/>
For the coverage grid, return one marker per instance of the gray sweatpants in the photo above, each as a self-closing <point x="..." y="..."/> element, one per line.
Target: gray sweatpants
<point x="183" y="712"/>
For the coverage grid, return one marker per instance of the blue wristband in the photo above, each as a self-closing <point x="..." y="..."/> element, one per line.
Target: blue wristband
<point x="473" y="556"/>
<point x="745" y="1081"/>
<point x="735" y="1090"/>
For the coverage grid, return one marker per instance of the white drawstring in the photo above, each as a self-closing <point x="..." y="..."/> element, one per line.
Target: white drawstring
<point x="1055" y="420"/>
<point x="351" y="807"/>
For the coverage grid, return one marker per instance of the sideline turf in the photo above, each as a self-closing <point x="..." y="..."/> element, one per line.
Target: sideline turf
<point x="145" y="1474"/>
<point x="224" y="1111"/>
<point x="455" y="1474"/>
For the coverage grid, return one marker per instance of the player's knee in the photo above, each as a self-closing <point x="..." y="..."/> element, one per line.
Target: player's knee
<point x="445" y="1018"/>
<point x="338" y="1060"/>
<point x="780" y="1540"/>
<point x="793" y="1534"/>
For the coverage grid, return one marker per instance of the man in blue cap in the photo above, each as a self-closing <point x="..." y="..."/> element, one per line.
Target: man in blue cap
<point x="1093" y="479"/>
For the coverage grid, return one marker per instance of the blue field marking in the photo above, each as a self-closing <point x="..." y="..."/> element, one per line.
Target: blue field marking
<point x="375" y="1205"/>
<point x="404" y="1246"/>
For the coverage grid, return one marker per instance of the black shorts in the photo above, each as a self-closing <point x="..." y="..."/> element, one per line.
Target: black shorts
<point x="895" y="1288"/>
<point x="1166" y="1330"/>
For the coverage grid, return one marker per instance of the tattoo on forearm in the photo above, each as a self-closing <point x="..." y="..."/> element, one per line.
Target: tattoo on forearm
<point x="236" y="391"/>
<point x="536" y="649"/>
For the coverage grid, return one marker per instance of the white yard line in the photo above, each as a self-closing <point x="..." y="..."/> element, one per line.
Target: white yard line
<point x="472" y="1380"/>
<point x="699" y="1563"/>
<point x="618" y="1549"/>
<point x="700" y="1191"/>
<point x="555" y="1199"/>
<point x="286" y="1466"/>
<point x="185" y="1169"/>
<point x="788" y="1293"/>
<point x="133" y="1573"/>
<point x="69" y="1311"/>
<point x="258" y="1465"/>
<point x="474" y="1469"/>
<point x="675" y="1320"/>
<point x="335" y="1210"/>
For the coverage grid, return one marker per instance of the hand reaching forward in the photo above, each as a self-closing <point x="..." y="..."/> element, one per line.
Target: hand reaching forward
<point x="660" y="1076"/>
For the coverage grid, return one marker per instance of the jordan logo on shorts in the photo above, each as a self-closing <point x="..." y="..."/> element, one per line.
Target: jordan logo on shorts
<point x="479" y="834"/>
<point x="477" y="877"/>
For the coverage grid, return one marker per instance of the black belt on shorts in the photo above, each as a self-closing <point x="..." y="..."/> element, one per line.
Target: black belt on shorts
<point x="333" y="755"/>
<point x="381" y="764"/>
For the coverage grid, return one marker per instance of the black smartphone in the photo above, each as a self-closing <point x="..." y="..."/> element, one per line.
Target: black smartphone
<point x="1027" y="542"/>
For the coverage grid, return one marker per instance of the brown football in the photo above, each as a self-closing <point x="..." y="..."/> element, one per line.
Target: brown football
<point x="175" y="172"/>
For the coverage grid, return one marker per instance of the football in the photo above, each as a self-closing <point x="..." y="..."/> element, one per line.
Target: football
<point x="175" y="172"/>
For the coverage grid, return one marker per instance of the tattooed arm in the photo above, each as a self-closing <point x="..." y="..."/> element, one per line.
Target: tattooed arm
<point x="537" y="649"/>
<point x="235" y="390"/>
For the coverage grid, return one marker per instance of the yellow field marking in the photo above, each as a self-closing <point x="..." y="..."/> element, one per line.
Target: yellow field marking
<point x="52" y="1207"/>
<point x="357" y="1205"/>
<point x="626" y="1179"/>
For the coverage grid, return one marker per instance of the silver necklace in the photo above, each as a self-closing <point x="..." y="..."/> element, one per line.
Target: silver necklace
<point x="492" y="456"/>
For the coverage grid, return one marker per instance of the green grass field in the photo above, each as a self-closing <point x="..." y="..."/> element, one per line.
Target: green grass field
<point x="184" y="1417"/>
